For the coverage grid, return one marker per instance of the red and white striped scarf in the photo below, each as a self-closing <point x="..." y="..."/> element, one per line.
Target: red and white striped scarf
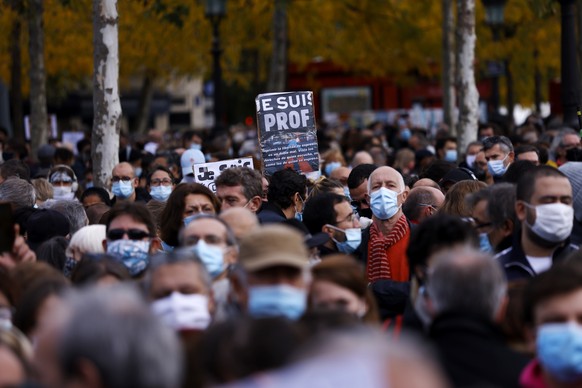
<point x="378" y="254"/>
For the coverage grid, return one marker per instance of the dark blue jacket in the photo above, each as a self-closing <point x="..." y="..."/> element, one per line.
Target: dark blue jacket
<point x="515" y="264"/>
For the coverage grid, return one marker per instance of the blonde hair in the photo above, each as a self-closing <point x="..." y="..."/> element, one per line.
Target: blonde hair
<point x="43" y="189"/>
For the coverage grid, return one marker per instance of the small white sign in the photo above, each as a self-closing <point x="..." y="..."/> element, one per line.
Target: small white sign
<point x="206" y="173"/>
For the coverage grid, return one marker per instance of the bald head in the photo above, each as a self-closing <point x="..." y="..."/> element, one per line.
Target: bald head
<point x="241" y="220"/>
<point x="427" y="183"/>
<point x="362" y="157"/>
<point x="422" y="202"/>
<point x="385" y="177"/>
<point x="341" y="174"/>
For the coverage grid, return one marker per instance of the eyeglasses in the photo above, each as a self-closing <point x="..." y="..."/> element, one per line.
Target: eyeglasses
<point x="350" y="218"/>
<point x="132" y="234"/>
<point x="358" y="203"/>
<point x="163" y="182"/>
<point x="124" y="179"/>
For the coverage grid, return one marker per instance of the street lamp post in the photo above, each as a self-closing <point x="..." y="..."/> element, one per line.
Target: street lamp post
<point x="215" y="11"/>
<point x="570" y="84"/>
<point x="494" y="19"/>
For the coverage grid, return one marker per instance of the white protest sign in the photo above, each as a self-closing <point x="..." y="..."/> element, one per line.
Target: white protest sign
<point x="206" y="173"/>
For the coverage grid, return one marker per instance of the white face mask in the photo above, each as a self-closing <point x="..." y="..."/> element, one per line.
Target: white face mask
<point x="554" y="221"/>
<point x="470" y="160"/>
<point x="63" y="192"/>
<point x="183" y="312"/>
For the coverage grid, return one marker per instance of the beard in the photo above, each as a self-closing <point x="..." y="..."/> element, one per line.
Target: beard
<point x="539" y="241"/>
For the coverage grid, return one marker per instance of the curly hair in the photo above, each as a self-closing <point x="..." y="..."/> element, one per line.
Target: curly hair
<point x="283" y="186"/>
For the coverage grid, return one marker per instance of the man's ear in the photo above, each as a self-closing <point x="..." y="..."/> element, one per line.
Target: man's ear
<point x="87" y="375"/>
<point x="404" y="195"/>
<point x="255" y="204"/>
<point x="507" y="227"/>
<point x="135" y="182"/>
<point x="155" y="245"/>
<point x="520" y="210"/>
<point x="511" y="157"/>
<point x="328" y="230"/>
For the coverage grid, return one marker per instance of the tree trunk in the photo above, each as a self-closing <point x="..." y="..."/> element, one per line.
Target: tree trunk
<point x="278" y="73"/>
<point x="145" y="103"/>
<point x="467" y="90"/>
<point x="106" y="103"/>
<point x="17" y="117"/>
<point x="448" y="71"/>
<point x="509" y="95"/>
<point x="38" y="110"/>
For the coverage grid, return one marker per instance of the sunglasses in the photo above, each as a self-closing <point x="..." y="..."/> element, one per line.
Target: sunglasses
<point x="132" y="234"/>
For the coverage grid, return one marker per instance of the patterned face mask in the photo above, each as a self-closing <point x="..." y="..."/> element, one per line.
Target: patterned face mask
<point x="134" y="254"/>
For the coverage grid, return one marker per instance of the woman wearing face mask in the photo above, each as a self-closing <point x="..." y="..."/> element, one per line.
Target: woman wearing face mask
<point x="186" y="201"/>
<point x="64" y="182"/>
<point x="160" y="184"/>
<point x="339" y="284"/>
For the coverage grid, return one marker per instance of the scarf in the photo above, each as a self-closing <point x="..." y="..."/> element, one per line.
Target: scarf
<point x="387" y="254"/>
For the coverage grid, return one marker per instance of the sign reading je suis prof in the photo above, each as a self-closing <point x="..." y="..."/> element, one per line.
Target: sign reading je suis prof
<point x="206" y="173"/>
<point x="287" y="133"/>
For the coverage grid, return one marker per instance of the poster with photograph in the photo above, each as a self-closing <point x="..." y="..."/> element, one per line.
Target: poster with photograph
<point x="287" y="133"/>
<point x="206" y="173"/>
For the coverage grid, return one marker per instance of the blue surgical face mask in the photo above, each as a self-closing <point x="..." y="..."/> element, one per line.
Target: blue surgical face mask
<point x="405" y="134"/>
<point x="134" y="254"/>
<point x="138" y="171"/>
<point x="195" y="146"/>
<point x="211" y="255"/>
<point x="122" y="189"/>
<point x="352" y="242"/>
<point x="384" y="203"/>
<point x="496" y="167"/>
<point x="161" y="193"/>
<point x="484" y="243"/>
<point x="451" y="156"/>
<point x="277" y="300"/>
<point x="559" y="349"/>
<point x="299" y="214"/>
<point x="331" y="166"/>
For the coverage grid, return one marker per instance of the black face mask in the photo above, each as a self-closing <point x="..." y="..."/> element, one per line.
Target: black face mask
<point x="365" y="213"/>
<point x="479" y="174"/>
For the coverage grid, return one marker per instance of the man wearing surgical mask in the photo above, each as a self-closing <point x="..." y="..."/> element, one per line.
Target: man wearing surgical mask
<point x="180" y="291"/>
<point x="544" y="208"/>
<point x="131" y="236"/>
<point x="552" y="310"/>
<point x="124" y="184"/>
<point x="332" y="214"/>
<point x="384" y="243"/>
<point x="275" y="263"/>
<point x="212" y="241"/>
<point x="499" y="155"/>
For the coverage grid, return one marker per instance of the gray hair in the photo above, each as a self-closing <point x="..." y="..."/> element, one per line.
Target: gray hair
<point x="18" y="192"/>
<point x="504" y="143"/>
<point x="72" y="210"/>
<point x="466" y="281"/>
<point x="180" y="256"/>
<point x="501" y="206"/>
<point x="113" y="328"/>
<point x="417" y="199"/>
<point x="230" y="237"/>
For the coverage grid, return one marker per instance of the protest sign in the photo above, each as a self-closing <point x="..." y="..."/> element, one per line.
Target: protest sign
<point x="206" y="173"/>
<point x="287" y="133"/>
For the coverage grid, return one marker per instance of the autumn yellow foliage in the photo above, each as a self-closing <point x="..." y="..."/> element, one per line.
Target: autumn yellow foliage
<point x="396" y="38"/>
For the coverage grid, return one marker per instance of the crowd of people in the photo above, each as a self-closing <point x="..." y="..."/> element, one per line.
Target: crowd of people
<point x="406" y="264"/>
